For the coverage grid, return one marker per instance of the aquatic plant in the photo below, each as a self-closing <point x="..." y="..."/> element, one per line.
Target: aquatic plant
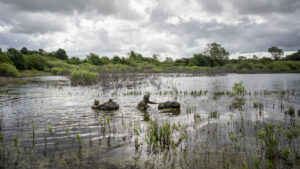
<point x="256" y="162"/>
<point x="136" y="143"/>
<point x="234" y="139"/>
<point x="214" y="114"/>
<point x="160" y="135"/>
<point x="238" y="89"/>
<point x="270" y="142"/>
<point x="290" y="112"/>
<point x="50" y="130"/>
<point x="78" y="138"/>
<point x="244" y="165"/>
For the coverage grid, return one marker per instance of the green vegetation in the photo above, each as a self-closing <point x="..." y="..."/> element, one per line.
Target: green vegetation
<point x="214" y="59"/>
<point x="8" y="70"/>
<point x="83" y="77"/>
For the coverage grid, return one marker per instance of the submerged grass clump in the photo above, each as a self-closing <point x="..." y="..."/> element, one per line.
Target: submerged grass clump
<point x="161" y="135"/>
<point x="290" y="112"/>
<point x="83" y="77"/>
<point x="270" y="142"/>
<point x="214" y="114"/>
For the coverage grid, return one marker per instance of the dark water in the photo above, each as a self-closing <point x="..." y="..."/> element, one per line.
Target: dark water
<point x="51" y="113"/>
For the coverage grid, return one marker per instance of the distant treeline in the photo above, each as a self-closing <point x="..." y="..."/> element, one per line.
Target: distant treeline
<point x="13" y="61"/>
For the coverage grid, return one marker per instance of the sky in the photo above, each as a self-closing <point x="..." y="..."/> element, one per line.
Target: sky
<point x="177" y="28"/>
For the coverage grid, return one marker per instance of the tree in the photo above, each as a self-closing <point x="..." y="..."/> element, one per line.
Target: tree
<point x="294" y="56"/>
<point x="275" y="52"/>
<point x="94" y="59"/>
<point x="1" y="50"/>
<point x="43" y="53"/>
<point x="24" y="51"/>
<point x="105" y="60"/>
<point x="217" y="53"/>
<point x="61" y="54"/>
<point x="17" y="58"/>
<point x="116" y="59"/>
<point x="74" y="61"/>
<point x="201" y="60"/>
<point x="255" y="57"/>
<point x="132" y="55"/>
<point x="168" y="60"/>
<point x="240" y="58"/>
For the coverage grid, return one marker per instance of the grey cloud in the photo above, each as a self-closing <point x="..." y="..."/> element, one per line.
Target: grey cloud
<point x="128" y="29"/>
<point x="105" y="7"/>
<point x="212" y="6"/>
<point x="264" y="6"/>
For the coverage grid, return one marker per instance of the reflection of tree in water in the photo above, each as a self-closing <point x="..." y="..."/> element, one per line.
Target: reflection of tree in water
<point x="109" y="80"/>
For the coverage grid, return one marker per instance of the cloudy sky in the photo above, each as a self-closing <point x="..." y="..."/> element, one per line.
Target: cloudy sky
<point x="176" y="28"/>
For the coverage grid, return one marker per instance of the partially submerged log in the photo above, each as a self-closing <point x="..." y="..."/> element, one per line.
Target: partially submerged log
<point x="108" y="106"/>
<point x="169" y="105"/>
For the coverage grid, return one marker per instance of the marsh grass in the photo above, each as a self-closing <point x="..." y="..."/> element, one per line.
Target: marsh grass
<point x="214" y="114"/>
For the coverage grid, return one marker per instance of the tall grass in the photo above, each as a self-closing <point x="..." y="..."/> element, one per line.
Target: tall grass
<point x="83" y="78"/>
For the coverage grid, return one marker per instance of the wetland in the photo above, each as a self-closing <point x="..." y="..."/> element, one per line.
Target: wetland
<point x="224" y="121"/>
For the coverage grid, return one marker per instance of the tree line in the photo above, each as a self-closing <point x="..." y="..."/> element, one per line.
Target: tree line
<point x="214" y="55"/>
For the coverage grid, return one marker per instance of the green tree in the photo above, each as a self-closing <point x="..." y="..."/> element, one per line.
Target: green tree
<point x="74" y="61"/>
<point x="24" y="51"/>
<point x="255" y="57"/>
<point x="132" y="55"/>
<point x="201" y="60"/>
<point x="105" y="60"/>
<point x="1" y="50"/>
<point x="17" y="58"/>
<point x="294" y="56"/>
<point x="43" y="53"/>
<point x="94" y="59"/>
<point x="275" y="52"/>
<point x="217" y="53"/>
<point x="116" y="59"/>
<point x="61" y="54"/>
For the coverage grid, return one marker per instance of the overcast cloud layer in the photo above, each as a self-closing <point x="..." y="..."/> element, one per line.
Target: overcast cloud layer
<point x="177" y="28"/>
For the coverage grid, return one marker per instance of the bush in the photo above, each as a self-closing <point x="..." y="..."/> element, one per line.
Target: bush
<point x="88" y="67"/>
<point x="60" y="71"/>
<point x="35" y="61"/>
<point x="60" y="64"/>
<point x="83" y="77"/>
<point x="8" y="70"/>
<point x="5" y="59"/>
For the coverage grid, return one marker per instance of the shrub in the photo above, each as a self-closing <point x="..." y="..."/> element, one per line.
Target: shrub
<point x="8" y="70"/>
<point x="60" y="71"/>
<point x="35" y="61"/>
<point x="83" y="77"/>
<point x="88" y="67"/>
<point x="5" y="59"/>
<point x="238" y="89"/>
<point x="60" y="64"/>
